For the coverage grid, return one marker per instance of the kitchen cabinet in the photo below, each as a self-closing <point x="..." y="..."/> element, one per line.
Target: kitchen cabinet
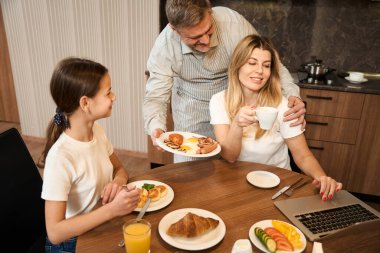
<point x="8" y="102"/>
<point x="365" y="168"/>
<point x="342" y="132"/>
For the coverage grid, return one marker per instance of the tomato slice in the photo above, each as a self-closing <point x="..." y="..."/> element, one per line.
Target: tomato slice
<point x="284" y="245"/>
<point x="282" y="242"/>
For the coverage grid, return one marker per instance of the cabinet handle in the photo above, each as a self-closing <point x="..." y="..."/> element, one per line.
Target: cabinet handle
<point x="319" y="97"/>
<point x="318" y="148"/>
<point x="317" y="123"/>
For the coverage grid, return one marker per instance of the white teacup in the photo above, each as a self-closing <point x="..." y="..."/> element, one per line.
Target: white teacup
<point x="356" y="76"/>
<point x="266" y="116"/>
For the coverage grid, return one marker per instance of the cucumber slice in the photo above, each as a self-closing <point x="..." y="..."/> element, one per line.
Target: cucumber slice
<point x="265" y="239"/>
<point x="259" y="232"/>
<point x="271" y="245"/>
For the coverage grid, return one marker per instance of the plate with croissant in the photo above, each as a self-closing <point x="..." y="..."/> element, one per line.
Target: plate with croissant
<point x="159" y="193"/>
<point x="192" y="229"/>
<point x="188" y="144"/>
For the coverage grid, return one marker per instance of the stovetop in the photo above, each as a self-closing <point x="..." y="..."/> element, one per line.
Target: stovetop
<point x="327" y="79"/>
<point x="336" y="81"/>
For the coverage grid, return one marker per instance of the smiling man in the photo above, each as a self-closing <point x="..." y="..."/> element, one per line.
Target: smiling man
<point x="188" y="63"/>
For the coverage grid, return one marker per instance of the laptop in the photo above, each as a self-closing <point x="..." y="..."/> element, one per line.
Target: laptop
<point x="317" y="219"/>
<point x="22" y="208"/>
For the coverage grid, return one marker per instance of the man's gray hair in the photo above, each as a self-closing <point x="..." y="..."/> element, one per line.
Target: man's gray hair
<point x="185" y="13"/>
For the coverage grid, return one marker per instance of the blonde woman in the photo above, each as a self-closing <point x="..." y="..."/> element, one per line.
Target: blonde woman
<point x="254" y="81"/>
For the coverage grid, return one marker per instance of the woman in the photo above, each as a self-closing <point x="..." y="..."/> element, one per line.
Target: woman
<point x="254" y="81"/>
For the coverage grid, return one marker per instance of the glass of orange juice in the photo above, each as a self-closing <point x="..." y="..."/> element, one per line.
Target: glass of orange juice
<point x="137" y="236"/>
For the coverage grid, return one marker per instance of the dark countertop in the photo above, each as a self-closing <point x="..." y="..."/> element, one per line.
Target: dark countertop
<point x="372" y="86"/>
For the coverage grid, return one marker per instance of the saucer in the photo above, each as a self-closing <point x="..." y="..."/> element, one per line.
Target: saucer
<point x="263" y="179"/>
<point x="352" y="81"/>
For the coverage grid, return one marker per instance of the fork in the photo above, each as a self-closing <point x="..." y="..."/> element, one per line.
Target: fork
<point x="290" y="192"/>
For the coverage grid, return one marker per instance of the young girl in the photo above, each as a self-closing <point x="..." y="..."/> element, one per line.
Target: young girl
<point x="254" y="81"/>
<point x="80" y="165"/>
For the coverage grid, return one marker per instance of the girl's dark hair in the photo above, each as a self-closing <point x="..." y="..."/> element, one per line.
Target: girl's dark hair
<point x="72" y="79"/>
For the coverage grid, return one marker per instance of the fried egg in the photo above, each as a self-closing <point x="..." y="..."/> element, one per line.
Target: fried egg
<point x="190" y="145"/>
<point x="192" y="139"/>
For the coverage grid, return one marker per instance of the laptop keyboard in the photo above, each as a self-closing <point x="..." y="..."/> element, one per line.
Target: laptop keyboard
<point x="336" y="218"/>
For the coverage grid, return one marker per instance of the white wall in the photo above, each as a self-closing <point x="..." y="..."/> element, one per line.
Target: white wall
<point x="117" y="33"/>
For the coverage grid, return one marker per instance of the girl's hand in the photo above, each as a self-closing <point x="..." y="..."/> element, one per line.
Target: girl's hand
<point x="327" y="186"/>
<point x="125" y="202"/>
<point x="110" y="191"/>
<point x="245" y="117"/>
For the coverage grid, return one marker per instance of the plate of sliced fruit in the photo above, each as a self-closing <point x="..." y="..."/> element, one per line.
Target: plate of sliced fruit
<point x="277" y="236"/>
<point x="188" y="144"/>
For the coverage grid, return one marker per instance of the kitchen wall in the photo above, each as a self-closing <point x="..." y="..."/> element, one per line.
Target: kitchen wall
<point x="118" y="34"/>
<point x="345" y="34"/>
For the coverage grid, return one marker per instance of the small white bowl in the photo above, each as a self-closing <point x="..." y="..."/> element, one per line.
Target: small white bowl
<point x="242" y="246"/>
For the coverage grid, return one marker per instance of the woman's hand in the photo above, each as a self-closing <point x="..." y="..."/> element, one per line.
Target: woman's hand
<point x="297" y="111"/>
<point x="245" y="117"/>
<point x="327" y="186"/>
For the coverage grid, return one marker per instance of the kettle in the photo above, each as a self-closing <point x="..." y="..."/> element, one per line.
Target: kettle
<point x="316" y="69"/>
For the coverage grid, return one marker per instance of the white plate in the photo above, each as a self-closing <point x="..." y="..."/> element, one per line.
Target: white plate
<point x="352" y="81"/>
<point x="263" y="179"/>
<point x="192" y="145"/>
<point x="268" y="223"/>
<point x="161" y="203"/>
<point x="202" y="242"/>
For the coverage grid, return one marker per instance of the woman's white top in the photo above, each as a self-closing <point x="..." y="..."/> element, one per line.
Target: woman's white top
<point x="77" y="172"/>
<point x="271" y="148"/>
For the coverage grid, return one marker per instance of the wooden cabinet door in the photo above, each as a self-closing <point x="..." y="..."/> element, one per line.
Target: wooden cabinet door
<point x="335" y="159"/>
<point x="333" y="103"/>
<point x="331" y="129"/>
<point x="8" y="102"/>
<point x="365" y="167"/>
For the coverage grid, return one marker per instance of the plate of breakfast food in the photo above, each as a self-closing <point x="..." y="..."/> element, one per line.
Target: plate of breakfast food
<point x="277" y="236"/>
<point x="192" y="229"/>
<point x="160" y="194"/>
<point x="263" y="179"/>
<point x="188" y="144"/>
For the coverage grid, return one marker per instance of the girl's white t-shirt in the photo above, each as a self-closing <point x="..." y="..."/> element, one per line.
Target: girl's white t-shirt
<point x="77" y="171"/>
<point x="271" y="148"/>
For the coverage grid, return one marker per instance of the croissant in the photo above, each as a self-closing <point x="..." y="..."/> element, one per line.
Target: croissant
<point x="192" y="225"/>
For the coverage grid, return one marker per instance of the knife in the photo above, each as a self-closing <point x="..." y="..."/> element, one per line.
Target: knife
<point x="142" y="211"/>
<point x="285" y="188"/>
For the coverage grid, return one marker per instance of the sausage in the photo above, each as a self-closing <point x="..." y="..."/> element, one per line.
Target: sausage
<point x="207" y="147"/>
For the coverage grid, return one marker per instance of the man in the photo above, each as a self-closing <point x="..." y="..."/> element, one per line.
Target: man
<point x="189" y="63"/>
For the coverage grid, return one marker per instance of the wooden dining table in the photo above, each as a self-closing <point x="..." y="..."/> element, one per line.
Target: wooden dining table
<point x="213" y="185"/>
